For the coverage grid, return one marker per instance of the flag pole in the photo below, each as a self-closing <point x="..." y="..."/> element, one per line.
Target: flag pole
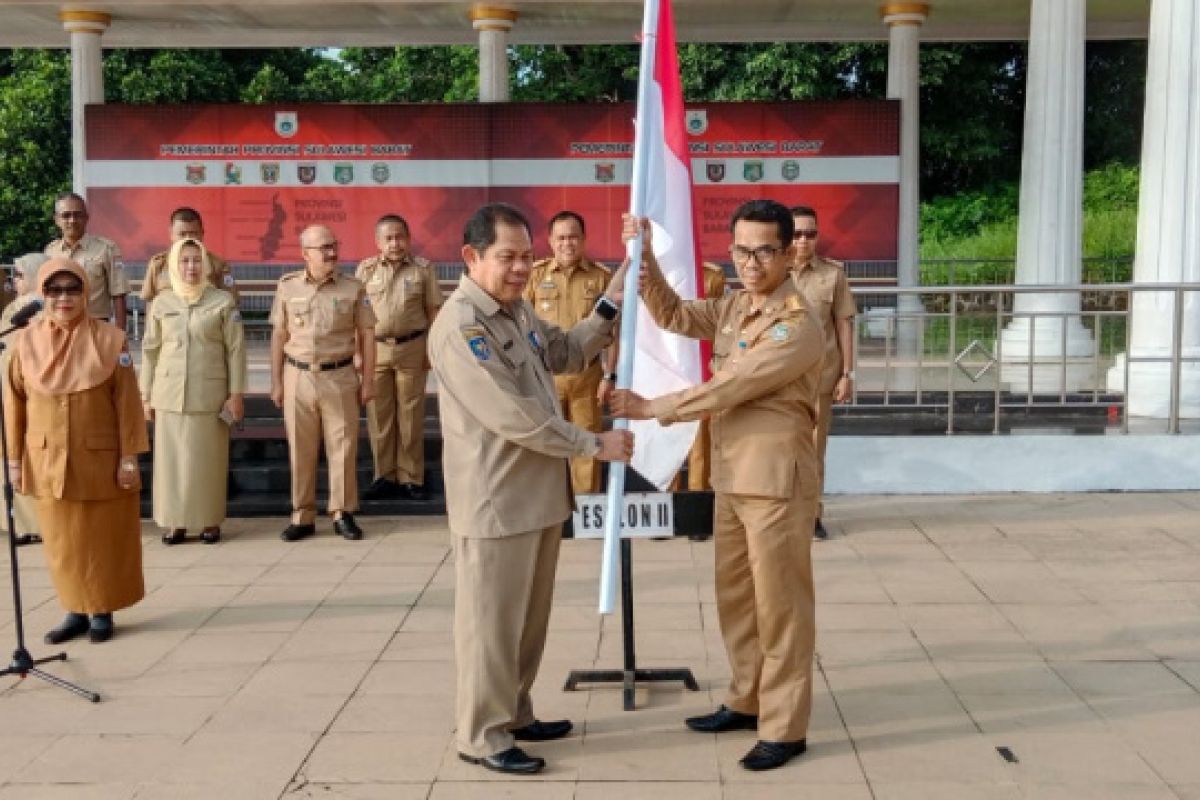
<point x="614" y="508"/>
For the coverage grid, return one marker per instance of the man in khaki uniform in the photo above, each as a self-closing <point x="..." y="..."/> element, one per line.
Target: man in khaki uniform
<point x="506" y="446"/>
<point x="99" y="257"/>
<point x="823" y="283"/>
<point x="405" y="296"/>
<point x="767" y="351"/>
<point x="698" y="467"/>
<point x="321" y="320"/>
<point x="186" y="224"/>
<point x="563" y="289"/>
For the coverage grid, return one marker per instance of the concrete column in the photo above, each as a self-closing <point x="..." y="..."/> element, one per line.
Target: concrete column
<point x="493" y="23"/>
<point x="904" y="22"/>
<point x="87" y="78"/>
<point x="1050" y="229"/>
<point x="1168" y="236"/>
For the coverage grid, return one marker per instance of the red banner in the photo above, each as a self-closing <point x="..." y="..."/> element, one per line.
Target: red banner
<point x="260" y="174"/>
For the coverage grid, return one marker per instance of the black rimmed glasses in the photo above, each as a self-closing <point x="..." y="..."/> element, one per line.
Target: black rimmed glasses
<point x="763" y="255"/>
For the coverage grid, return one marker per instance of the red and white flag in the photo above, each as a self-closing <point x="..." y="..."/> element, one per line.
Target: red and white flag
<point x="664" y="362"/>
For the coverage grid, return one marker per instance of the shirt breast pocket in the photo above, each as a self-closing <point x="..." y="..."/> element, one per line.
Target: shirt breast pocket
<point x="546" y="299"/>
<point x="299" y="314"/>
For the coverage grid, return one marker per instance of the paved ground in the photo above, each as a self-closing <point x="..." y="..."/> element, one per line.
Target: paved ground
<point x="1065" y="628"/>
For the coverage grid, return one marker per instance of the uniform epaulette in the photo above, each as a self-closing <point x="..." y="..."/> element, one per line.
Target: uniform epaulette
<point x="291" y="276"/>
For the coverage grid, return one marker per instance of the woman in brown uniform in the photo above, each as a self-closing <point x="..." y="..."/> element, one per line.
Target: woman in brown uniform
<point x="75" y="429"/>
<point x="193" y="372"/>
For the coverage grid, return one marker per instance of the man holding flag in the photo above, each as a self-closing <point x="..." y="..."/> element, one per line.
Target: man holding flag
<point x="767" y="352"/>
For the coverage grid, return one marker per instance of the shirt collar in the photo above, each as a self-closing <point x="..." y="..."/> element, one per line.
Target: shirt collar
<point x="478" y="297"/>
<point x="308" y="278"/>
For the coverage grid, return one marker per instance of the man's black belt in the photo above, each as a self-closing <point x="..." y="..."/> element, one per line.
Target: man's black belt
<point x="325" y="367"/>
<point x="408" y="337"/>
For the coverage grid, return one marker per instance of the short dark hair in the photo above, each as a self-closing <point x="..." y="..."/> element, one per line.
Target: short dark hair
<point x="393" y="219"/>
<point x="58" y="198"/>
<point x="186" y="214"/>
<point x="804" y="211"/>
<point x="766" y="211"/>
<point x="480" y="230"/>
<point x="566" y="214"/>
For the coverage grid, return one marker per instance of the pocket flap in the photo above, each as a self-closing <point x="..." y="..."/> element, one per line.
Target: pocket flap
<point x="35" y="440"/>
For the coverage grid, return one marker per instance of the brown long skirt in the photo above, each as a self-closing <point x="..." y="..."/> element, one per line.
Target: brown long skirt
<point x="94" y="552"/>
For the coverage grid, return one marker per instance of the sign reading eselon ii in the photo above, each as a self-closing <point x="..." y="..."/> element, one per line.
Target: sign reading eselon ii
<point x="260" y="174"/>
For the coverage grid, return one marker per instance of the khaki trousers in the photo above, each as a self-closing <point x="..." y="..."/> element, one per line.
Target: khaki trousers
<point x="577" y="396"/>
<point x="503" y="591"/>
<point x="320" y="405"/>
<point x="766" y="607"/>
<point x="396" y="417"/>
<point x="820" y="439"/>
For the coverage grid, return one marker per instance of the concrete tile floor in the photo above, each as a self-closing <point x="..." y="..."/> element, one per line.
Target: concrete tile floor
<point x="1065" y="628"/>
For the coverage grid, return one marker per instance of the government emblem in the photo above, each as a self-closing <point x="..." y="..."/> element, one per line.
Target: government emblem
<point x="307" y="173"/>
<point x="270" y="172"/>
<point x="791" y="170"/>
<point x="697" y="121"/>
<point x="343" y="173"/>
<point x="752" y="171"/>
<point x="287" y="123"/>
<point x="233" y="174"/>
<point x="715" y="170"/>
<point x="606" y="172"/>
<point x="380" y="172"/>
<point x="197" y="173"/>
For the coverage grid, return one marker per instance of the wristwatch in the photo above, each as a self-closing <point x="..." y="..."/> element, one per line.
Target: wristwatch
<point x="611" y="377"/>
<point x="848" y="374"/>
<point x="607" y="308"/>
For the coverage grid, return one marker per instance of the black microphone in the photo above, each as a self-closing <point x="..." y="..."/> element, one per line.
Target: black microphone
<point x="22" y="317"/>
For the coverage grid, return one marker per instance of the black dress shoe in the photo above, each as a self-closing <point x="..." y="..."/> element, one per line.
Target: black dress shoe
<point x="819" y="531"/>
<point x="101" y="628"/>
<point x="294" y="533"/>
<point x="174" y="536"/>
<point x="513" y="761"/>
<point x="538" y="731"/>
<point x="73" y="625"/>
<point x="721" y="720"/>
<point x="769" y="755"/>
<point x="414" y="492"/>
<point x="380" y="489"/>
<point x="347" y="528"/>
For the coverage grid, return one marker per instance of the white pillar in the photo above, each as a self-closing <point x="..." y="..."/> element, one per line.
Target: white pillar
<point x="1050" y="229"/>
<point x="493" y="23"/>
<point x="87" y="78"/>
<point x="904" y="22"/>
<point x="1168" y="236"/>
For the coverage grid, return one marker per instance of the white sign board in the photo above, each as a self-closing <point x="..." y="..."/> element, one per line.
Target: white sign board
<point x="647" y="515"/>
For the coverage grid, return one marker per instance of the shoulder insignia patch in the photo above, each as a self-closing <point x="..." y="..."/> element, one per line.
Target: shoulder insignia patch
<point x="477" y="340"/>
<point x="125" y="360"/>
<point x="781" y="332"/>
<point x="228" y="281"/>
<point x="536" y="341"/>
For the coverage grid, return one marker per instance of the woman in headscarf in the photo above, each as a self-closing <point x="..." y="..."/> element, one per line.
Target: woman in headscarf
<point x="193" y="373"/>
<point x="24" y="280"/>
<point x="75" y="430"/>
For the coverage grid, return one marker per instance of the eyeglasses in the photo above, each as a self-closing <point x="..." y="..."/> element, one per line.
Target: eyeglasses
<point x="62" y="290"/>
<point x="331" y="247"/>
<point x="804" y="235"/>
<point x="72" y="215"/>
<point x="763" y="255"/>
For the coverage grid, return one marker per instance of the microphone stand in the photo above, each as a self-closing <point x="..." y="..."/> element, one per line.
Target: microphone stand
<point x="23" y="664"/>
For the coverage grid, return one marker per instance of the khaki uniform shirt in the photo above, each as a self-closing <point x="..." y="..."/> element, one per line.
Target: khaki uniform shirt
<point x="101" y="260"/>
<point x="158" y="281"/>
<point x="762" y="398"/>
<point x="714" y="281"/>
<point x="193" y="357"/>
<point x="506" y="442"/>
<point x="321" y="319"/>
<point x="69" y="445"/>
<point x="823" y="283"/>
<point x="400" y="293"/>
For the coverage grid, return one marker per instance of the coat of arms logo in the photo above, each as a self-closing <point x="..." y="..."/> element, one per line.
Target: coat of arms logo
<point x="606" y="172"/>
<point x="715" y="170"/>
<point x="307" y="173"/>
<point x="380" y="172"/>
<point x="752" y="171"/>
<point x="343" y="173"/>
<point x="197" y="174"/>
<point x="287" y="123"/>
<point x="270" y="172"/>
<point x="697" y="121"/>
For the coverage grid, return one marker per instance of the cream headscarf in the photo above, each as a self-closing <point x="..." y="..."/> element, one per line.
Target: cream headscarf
<point x="28" y="265"/>
<point x="73" y="356"/>
<point x="189" y="292"/>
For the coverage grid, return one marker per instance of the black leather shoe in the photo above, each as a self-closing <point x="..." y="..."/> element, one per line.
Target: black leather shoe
<point x="721" y="720"/>
<point x="513" y="761"/>
<point x="294" y="533"/>
<point x="414" y="492"/>
<point x="101" y="628"/>
<point x="380" y="489"/>
<point x="769" y="755"/>
<point x="819" y="531"/>
<point x="347" y="528"/>
<point x="73" y="625"/>
<point x="538" y="731"/>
